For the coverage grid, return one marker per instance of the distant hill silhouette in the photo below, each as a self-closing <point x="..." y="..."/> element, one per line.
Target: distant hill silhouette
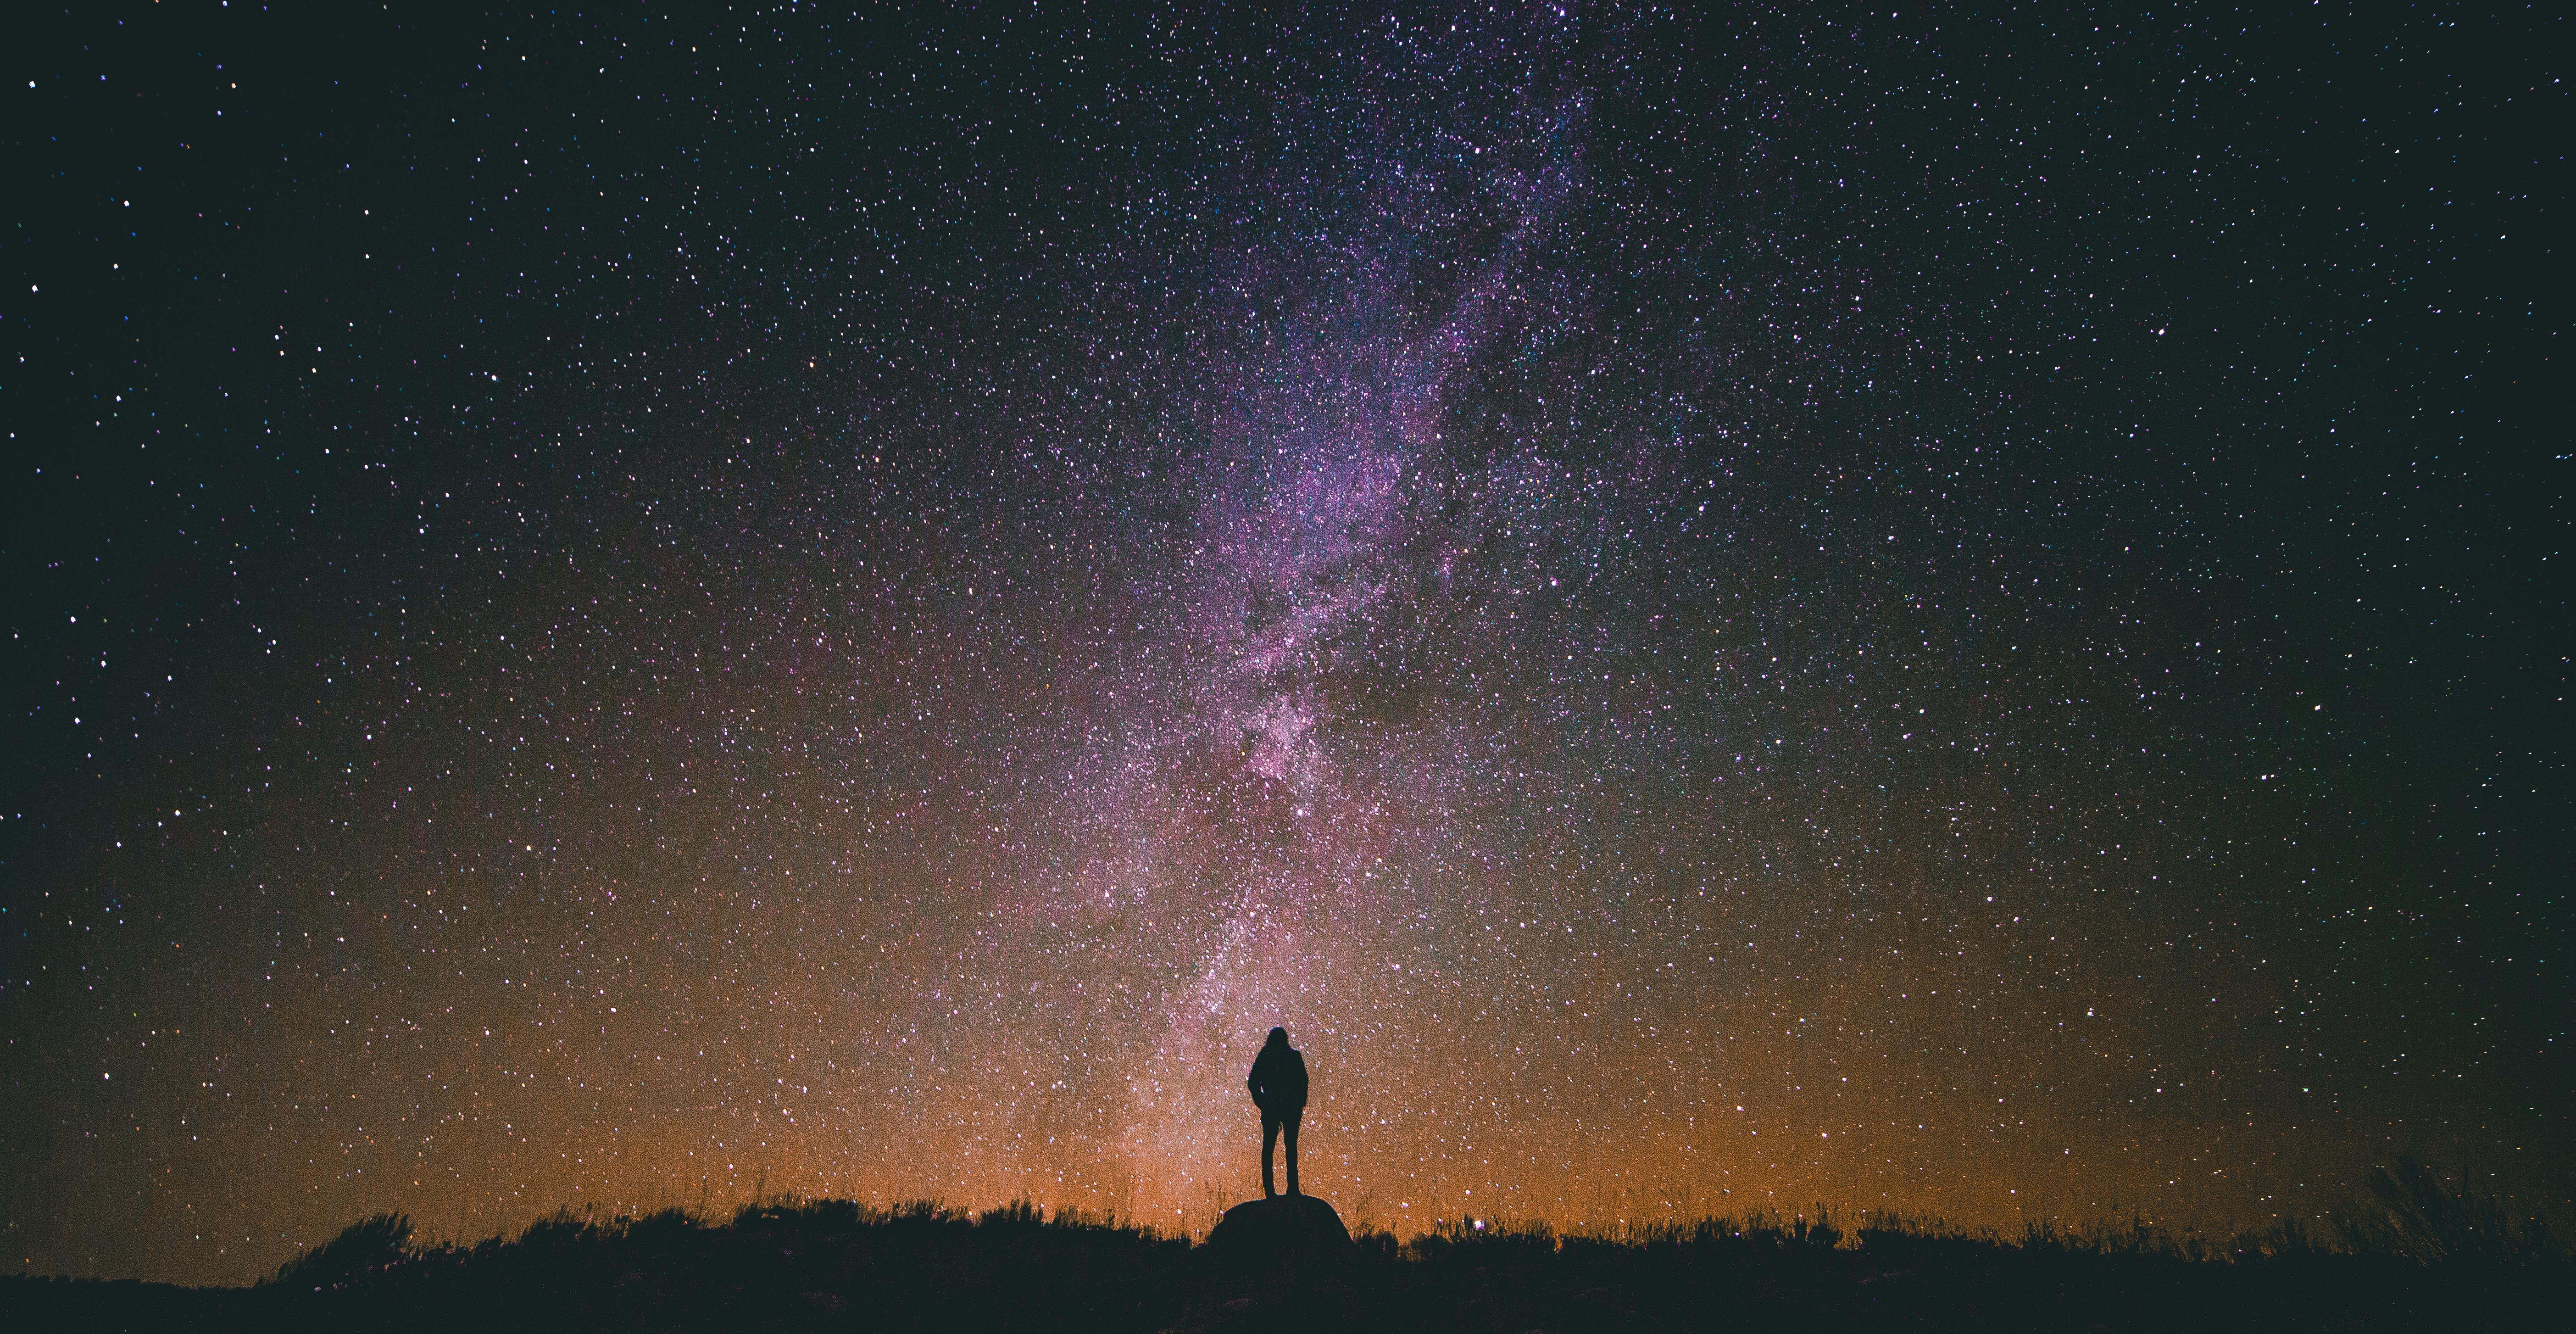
<point x="837" y="1265"/>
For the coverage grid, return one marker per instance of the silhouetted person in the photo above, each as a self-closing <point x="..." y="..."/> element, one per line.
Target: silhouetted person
<point x="1278" y="1085"/>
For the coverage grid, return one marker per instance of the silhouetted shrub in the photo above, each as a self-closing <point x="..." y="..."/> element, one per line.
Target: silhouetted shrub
<point x="2414" y="1214"/>
<point x="370" y="1244"/>
<point x="1015" y="1214"/>
<point x="662" y="1227"/>
<point x="562" y="1230"/>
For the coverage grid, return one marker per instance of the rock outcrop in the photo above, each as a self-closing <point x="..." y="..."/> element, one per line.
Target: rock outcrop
<point x="1283" y="1227"/>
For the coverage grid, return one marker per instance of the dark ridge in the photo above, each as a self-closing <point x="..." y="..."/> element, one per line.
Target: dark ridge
<point x="2409" y="1259"/>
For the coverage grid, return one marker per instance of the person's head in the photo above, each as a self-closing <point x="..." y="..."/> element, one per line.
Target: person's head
<point x="1279" y="1037"/>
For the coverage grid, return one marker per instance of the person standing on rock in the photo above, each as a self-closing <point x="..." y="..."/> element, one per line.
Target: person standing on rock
<point x="1278" y="1085"/>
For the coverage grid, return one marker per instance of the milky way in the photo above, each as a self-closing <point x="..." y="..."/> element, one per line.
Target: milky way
<point x="1909" y="611"/>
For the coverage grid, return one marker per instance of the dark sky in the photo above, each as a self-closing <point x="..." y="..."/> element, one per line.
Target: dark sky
<point x="1959" y="610"/>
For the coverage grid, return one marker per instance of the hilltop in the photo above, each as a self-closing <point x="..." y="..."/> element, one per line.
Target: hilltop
<point x="835" y="1264"/>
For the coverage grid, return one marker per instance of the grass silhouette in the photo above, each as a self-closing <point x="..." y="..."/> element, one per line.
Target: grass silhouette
<point x="2418" y="1252"/>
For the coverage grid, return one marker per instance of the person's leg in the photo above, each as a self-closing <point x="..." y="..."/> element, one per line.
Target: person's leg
<point x="1291" y="1127"/>
<point x="1269" y="1137"/>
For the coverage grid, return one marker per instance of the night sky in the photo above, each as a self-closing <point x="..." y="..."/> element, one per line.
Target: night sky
<point x="1953" y="610"/>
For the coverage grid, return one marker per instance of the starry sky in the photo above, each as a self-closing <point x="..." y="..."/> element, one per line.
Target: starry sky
<point x="1957" y="609"/>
